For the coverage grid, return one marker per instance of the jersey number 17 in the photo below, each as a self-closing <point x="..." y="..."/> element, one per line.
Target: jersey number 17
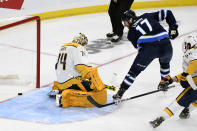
<point x="141" y="30"/>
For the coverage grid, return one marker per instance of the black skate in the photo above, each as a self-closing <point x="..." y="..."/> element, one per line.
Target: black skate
<point x="116" y="38"/>
<point x="119" y="94"/>
<point x="185" y="114"/>
<point x="157" y="122"/>
<point x="53" y="93"/>
<point x="110" y="35"/>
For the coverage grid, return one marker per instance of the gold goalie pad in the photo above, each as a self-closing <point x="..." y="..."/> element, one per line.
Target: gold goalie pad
<point x="63" y="86"/>
<point x="78" y="98"/>
<point x="96" y="82"/>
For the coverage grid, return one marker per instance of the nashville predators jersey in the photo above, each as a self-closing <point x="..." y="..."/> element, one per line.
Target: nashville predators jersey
<point x="190" y="62"/>
<point x="70" y="55"/>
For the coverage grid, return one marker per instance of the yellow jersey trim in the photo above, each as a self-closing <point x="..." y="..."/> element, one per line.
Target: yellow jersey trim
<point x="194" y="104"/>
<point x="104" y="8"/>
<point x="183" y="93"/>
<point x="72" y="44"/>
<point x="168" y="111"/>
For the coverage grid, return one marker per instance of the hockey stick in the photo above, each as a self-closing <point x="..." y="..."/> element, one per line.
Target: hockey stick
<point x="122" y="100"/>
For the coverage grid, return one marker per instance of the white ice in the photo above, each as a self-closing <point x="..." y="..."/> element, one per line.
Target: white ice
<point x="132" y="115"/>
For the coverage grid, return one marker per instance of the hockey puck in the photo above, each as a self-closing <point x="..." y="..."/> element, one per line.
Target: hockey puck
<point x="20" y="94"/>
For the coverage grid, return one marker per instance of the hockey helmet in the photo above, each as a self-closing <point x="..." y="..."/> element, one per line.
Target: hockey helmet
<point x="81" y="39"/>
<point x="189" y="42"/>
<point x="129" y="14"/>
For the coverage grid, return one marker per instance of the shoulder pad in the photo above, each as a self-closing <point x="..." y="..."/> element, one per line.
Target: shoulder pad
<point x="72" y="44"/>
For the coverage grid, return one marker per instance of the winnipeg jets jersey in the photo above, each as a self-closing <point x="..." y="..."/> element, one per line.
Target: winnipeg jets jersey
<point x="190" y="55"/>
<point x="147" y="29"/>
<point x="70" y="55"/>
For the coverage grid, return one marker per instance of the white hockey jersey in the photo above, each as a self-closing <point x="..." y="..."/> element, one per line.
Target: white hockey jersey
<point x="70" y="55"/>
<point x="188" y="57"/>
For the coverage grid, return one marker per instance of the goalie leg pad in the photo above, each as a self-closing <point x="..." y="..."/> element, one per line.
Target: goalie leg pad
<point x="68" y="84"/>
<point x="96" y="81"/>
<point x="77" y="98"/>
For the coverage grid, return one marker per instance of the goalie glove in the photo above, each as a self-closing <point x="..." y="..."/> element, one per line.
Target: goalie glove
<point x="165" y="81"/>
<point x="173" y="32"/>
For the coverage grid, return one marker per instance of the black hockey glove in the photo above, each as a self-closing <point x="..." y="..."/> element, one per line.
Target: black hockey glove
<point x="173" y="32"/>
<point x="165" y="81"/>
<point x="184" y="83"/>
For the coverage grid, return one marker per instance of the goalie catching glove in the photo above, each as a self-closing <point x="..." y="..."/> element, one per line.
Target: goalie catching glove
<point x="165" y="81"/>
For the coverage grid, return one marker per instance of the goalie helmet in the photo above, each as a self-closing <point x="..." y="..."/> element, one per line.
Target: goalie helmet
<point x="189" y="43"/>
<point x="129" y="14"/>
<point x="81" y="39"/>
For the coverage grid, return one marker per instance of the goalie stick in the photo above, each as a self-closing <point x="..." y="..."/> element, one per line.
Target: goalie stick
<point x="91" y="100"/>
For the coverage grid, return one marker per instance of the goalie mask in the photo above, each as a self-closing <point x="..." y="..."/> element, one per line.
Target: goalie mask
<point x="189" y="43"/>
<point x="81" y="39"/>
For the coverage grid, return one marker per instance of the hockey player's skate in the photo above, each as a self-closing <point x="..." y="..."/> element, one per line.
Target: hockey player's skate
<point x="165" y="81"/>
<point x="185" y="114"/>
<point x="53" y="93"/>
<point x="119" y="94"/>
<point x="157" y="122"/>
<point x="58" y="100"/>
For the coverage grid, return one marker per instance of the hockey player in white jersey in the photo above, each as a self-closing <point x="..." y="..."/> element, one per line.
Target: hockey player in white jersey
<point x="188" y="80"/>
<point x="75" y="78"/>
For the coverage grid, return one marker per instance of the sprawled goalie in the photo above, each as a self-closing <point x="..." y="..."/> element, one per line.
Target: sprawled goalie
<point x="75" y="79"/>
<point x="187" y="99"/>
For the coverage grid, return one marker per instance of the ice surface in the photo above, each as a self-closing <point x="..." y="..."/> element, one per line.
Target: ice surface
<point x="132" y="115"/>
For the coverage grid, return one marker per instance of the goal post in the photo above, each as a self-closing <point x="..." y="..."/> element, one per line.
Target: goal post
<point x="38" y="33"/>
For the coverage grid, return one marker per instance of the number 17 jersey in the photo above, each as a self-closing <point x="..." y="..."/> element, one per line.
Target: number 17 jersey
<point x="146" y="28"/>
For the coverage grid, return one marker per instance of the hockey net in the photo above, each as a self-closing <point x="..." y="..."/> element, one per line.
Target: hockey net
<point x="20" y="51"/>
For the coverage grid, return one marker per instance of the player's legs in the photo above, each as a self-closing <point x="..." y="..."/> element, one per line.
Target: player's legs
<point x="165" y="56"/>
<point x="112" y="11"/>
<point x="187" y="97"/>
<point x="123" y="5"/>
<point x="144" y="57"/>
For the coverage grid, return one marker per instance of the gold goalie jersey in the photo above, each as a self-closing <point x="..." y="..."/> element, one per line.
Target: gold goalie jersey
<point x="70" y="55"/>
<point x="190" y="62"/>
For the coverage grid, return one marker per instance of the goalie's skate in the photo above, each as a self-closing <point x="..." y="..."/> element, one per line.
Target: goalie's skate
<point x="157" y="122"/>
<point x="53" y="93"/>
<point x="185" y="114"/>
<point x="58" y="100"/>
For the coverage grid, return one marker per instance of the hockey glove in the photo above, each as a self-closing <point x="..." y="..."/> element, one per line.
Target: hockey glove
<point x="184" y="83"/>
<point x="173" y="32"/>
<point x="165" y="81"/>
